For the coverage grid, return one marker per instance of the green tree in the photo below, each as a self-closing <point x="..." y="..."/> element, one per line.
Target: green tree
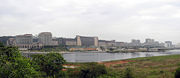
<point x="13" y="65"/>
<point x="51" y="63"/>
<point x="93" y="70"/>
<point x="177" y="74"/>
<point x="1" y="44"/>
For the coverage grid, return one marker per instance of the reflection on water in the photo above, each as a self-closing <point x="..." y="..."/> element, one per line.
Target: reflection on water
<point x="98" y="57"/>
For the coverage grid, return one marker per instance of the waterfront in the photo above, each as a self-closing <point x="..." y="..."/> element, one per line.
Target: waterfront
<point x="99" y="57"/>
<point x="104" y="56"/>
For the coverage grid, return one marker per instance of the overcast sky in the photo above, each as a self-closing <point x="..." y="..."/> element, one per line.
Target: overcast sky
<point x="121" y="20"/>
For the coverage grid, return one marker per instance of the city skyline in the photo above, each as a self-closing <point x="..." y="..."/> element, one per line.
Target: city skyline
<point x="120" y="20"/>
<point x="143" y="40"/>
<point x="55" y="37"/>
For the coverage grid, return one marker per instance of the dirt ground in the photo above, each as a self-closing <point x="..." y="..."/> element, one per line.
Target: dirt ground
<point x="108" y="64"/>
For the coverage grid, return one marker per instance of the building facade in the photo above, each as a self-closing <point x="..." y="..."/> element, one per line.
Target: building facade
<point x="104" y="43"/>
<point x="45" y="38"/>
<point x="168" y="44"/>
<point x="87" y="41"/>
<point x="24" y="41"/>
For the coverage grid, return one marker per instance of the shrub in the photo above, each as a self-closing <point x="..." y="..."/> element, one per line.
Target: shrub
<point x="177" y="74"/>
<point x="92" y="70"/>
<point x="129" y="73"/>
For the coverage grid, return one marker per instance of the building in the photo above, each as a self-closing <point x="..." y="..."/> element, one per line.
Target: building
<point x="136" y="43"/>
<point x="45" y="38"/>
<point x="24" y="41"/>
<point x="11" y="42"/>
<point x="86" y="41"/>
<point x="120" y="44"/>
<point x="69" y="42"/>
<point x="4" y="39"/>
<point x="177" y="45"/>
<point x="168" y="44"/>
<point x="104" y="43"/>
<point x="148" y="40"/>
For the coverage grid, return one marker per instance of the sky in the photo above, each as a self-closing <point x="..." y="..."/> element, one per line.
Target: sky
<point x="120" y="20"/>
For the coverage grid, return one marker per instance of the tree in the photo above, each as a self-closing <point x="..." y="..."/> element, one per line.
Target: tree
<point x="13" y="65"/>
<point x="1" y="44"/>
<point x="51" y="63"/>
<point x="177" y="74"/>
<point x="93" y="70"/>
<point x="102" y="48"/>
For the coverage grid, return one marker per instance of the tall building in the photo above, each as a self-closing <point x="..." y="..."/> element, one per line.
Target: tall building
<point x="87" y="41"/>
<point x="45" y="38"/>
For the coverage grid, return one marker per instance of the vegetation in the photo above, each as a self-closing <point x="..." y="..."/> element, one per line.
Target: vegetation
<point x="54" y="48"/>
<point x="51" y="63"/>
<point x="14" y="65"/>
<point x="177" y="74"/>
<point x="148" y="67"/>
<point x="92" y="70"/>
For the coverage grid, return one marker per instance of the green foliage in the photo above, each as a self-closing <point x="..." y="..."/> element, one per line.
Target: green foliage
<point x="54" y="48"/>
<point x="92" y="70"/>
<point x="51" y="63"/>
<point x="128" y="73"/>
<point x="177" y="74"/>
<point x="13" y="65"/>
<point x="62" y="74"/>
<point x="9" y="53"/>
<point x="1" y="44"/>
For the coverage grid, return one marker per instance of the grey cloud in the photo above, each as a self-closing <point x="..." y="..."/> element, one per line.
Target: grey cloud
<point x="121" y="20"/>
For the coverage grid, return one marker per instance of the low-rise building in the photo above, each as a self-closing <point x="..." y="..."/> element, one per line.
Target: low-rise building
<point x="24" y="41"/>
<point x="86" y="41"/>
<point x="104" y="43"/>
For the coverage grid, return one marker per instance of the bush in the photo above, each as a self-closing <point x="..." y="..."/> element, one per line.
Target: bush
<point x="62" y="74"/>
<point x="177" y="74"/>
<point x="129" y="73"/>
<point x="92" y="70"/>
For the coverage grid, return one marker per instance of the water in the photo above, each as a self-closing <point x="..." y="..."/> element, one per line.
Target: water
<point x="99" y="56"/>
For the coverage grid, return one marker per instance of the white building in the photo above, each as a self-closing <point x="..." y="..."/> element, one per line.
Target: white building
<point x="45" y="38"/>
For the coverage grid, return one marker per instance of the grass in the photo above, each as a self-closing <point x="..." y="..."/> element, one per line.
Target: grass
<point x="151" y="67"/>
<point x="146" y="67"/>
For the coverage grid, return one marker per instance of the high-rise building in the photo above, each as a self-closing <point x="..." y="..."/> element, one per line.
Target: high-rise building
<point x="45" y="38"/>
